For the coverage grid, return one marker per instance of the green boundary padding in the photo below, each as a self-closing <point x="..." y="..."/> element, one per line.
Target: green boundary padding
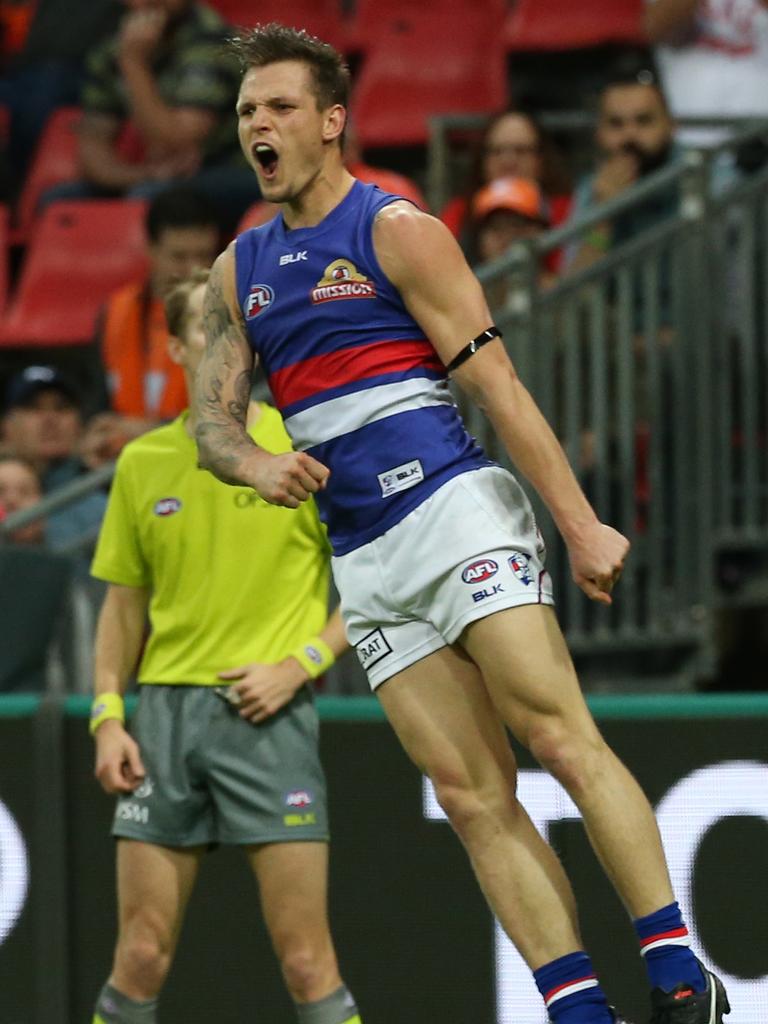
<point x="367" y="709"/>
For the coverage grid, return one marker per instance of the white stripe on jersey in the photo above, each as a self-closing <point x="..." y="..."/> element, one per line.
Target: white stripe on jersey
<point x="331" y="419"/>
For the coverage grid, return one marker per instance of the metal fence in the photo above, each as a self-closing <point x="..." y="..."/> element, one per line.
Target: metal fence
<point x="651" y="367"/>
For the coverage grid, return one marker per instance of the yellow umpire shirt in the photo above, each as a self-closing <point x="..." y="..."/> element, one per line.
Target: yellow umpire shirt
<point x="232" y="578"/>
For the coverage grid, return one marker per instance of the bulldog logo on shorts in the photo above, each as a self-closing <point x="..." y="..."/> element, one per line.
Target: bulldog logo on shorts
<point x="520" y="566"/>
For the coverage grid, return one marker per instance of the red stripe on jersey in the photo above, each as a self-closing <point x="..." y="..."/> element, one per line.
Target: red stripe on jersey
<point x="345" y="365"/>
<point x="676" y="933"/>
<point x="559" y="988"/>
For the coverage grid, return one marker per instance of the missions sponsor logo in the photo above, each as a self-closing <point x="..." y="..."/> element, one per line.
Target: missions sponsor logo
<point x="342" y="280"/>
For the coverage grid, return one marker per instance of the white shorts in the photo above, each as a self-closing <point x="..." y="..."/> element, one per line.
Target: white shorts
<point x="471" y="549"/>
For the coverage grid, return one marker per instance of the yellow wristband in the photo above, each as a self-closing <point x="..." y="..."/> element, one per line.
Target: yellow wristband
<point x="106" y="705"/>
<point x="314" y="656"/>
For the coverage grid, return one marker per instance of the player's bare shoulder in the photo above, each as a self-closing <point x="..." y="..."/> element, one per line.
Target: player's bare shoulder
<point x="409" y="241"/>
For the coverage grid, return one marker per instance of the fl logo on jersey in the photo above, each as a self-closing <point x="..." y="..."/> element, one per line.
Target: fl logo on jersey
<point x="259" y="298"/>
<point x="342" y="280"/>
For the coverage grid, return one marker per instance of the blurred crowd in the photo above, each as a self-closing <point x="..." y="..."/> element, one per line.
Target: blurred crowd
<point x="155" y="95"/>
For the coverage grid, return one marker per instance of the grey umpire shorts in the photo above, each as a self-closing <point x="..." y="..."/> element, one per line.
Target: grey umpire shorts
<point x="212" y="777"/>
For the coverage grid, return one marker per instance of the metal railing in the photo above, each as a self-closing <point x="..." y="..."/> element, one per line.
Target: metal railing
<point x="650" y="364"/>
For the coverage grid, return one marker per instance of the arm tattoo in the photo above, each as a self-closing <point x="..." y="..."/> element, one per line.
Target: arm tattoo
<point x="223" y="387"/>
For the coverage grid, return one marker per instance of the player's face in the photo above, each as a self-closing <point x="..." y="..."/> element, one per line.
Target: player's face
<point x="283" y="134"/>
<point x="194" y="334"/>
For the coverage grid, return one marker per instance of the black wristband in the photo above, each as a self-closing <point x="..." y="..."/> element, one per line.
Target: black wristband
<point x="472" y="347"/>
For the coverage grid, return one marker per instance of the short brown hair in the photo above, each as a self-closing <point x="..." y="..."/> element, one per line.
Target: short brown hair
<point x="272" y="43"/>
<point x="177" y="301"/>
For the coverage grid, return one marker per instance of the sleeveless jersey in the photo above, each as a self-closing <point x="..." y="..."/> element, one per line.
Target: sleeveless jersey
<point x="359" y="386"/>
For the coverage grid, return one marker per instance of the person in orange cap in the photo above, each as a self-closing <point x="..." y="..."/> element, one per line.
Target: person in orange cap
<point x="503" y="212"/>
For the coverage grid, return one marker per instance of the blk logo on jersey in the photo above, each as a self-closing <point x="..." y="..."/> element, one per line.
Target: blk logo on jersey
<point x="520" y="566"/>
<point x="480" y="571"/>
<point x="293" y="257"/>
<point x="259" y="298"/>
<point x="342" y="280"/>
<point x="167" y="506"/>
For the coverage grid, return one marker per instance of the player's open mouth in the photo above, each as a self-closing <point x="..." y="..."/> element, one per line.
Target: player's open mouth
<point x="267" y="158"/>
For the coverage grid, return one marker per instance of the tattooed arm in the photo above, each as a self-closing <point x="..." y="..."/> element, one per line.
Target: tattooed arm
<point x="222" y="392"/>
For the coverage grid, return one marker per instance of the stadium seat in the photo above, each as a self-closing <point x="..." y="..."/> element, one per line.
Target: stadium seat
<point x="398" y="88"/>
<point x="78" y="253"/>
<point x="55" y="160"/>
<point x="319" y="17"/>
<point x="371" y="16"/>
<point x="563" y="25"/>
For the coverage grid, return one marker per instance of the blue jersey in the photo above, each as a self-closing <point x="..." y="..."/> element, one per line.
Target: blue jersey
<point x="359" y="386"/>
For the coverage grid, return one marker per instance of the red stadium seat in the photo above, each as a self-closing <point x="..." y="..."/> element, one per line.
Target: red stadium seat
<point x="373" y="16"/>
<point x="55" y="160"/>
<point x="563" y="25"/>
<point x="79" y="252"/>
<point x="319" y="17"/>
<point x="420" y="66"/>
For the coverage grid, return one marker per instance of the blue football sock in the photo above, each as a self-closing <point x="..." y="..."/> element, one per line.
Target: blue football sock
<point x="571" y="992"/>
<point x="665" y="946"/>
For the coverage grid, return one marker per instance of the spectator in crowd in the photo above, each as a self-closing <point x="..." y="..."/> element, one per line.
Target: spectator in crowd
<point x="43" y="423"/>
<point x="506" y="211"/>
<point x="158" y="107"/>
<point x="513" y="144"/>
<point x="20" y="488"/>
<point x="143" y="384"/>
<point x="44" y="68"/>
<point x="712" y="57"/>
<point x="635" y="136"/>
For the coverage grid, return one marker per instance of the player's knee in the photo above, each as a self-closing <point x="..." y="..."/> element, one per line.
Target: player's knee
<point x="468" y="804"/>
<point x="568" y="753"/>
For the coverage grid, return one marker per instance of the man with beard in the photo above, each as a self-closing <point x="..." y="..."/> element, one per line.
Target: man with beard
<point x="635" y="136"/>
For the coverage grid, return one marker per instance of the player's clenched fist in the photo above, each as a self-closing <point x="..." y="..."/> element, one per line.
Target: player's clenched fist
<point x="289" y="479"/>
<point x="597" y="559"/>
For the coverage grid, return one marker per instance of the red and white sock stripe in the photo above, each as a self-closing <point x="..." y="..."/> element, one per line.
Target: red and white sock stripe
<point x="569" y="988"/>
<point x="676" y="937"/>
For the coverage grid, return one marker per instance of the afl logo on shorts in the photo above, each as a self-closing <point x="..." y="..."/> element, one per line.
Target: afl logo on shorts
<point x="259" y="297"/>
<point x="519" y="565"/>
<point x="166" y="506"/>
<point x="478" y="572"/>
